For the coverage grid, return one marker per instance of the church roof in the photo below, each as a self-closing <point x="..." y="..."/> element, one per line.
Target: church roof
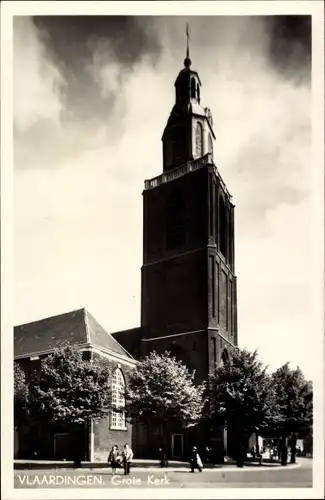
<point x="76" y="327"/>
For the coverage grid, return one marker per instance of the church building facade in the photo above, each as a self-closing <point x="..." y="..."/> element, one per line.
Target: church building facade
<point x="188" y="281"/>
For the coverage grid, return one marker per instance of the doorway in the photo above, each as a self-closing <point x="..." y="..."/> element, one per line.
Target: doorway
<point x="177" y="445"/>
<point x="62" y="446"/>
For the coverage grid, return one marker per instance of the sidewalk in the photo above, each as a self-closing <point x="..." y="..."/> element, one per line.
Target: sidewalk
<point x="142" y="465"/>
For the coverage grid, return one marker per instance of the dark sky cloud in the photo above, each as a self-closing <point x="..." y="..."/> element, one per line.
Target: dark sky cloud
<point x="72" y="42"/>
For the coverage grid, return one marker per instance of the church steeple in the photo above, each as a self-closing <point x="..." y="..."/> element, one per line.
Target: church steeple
<point x="187" y="60"/>
<point x="188" y="133"/>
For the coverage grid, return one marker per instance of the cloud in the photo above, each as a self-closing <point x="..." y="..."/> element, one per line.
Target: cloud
<point x="36" y="80"/>
<point x="89" y="133"/>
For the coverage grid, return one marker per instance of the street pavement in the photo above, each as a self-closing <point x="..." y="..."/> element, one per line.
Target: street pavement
<point x="299" y="476"/>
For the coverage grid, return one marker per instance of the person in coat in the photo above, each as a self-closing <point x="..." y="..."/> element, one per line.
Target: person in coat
<point x="113" y="458"/>
<point x="127" y="457"/>
<point x="195" y="460"/>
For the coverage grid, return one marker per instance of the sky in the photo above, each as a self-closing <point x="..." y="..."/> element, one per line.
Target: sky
<point x="91" y="99"/>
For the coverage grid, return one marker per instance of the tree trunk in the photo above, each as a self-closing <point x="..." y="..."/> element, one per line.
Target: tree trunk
<point x="242" y="446"/>
<point x="284" y="451"/>
<point x="78" y="444"/>
<point x="293" y="448"/>
<point x="257" y="445"/>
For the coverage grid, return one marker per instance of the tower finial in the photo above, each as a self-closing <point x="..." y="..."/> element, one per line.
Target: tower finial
<point x="187" y="61"/>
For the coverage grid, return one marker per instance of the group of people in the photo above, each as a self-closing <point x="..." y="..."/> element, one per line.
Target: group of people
<point x="116" y="459"/>
<point x="195" y="459"/>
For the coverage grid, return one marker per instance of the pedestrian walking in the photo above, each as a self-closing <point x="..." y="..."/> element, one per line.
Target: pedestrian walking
<point x="195" y="460"/>
<point x="163" y="458"/>
<point x="114" y="458"/>
<point x="127" y="457"/>
<point x="207" y="454"/>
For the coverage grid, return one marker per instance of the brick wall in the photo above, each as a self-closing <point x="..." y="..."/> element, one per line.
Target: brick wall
<point x="105" y="438"/>
<point x="174" y="295"/>
<point x="193" y="187"/>
<point x="192" y="349"/>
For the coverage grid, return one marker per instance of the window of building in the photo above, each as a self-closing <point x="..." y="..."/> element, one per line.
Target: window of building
<point x="193" y="88"/>
<point x="212" y="211"/>
<point x="175" y="220"/>
<point x="213" y="284"/>
<point x="118" y="400"/>
<point x="198" y="92"/>
<point x="214" y="351"/>
<point x="199" y="140"/>
<point x="210" y="144"/>
<point x="222" y="227"/>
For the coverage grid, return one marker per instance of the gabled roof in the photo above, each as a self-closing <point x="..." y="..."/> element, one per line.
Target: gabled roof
<point x="100" y="338"/>
<point x="76" y="327"/>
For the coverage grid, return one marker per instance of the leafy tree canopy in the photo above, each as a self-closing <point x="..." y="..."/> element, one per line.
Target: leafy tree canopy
<point x="161" y="389"/>
<point x="20" y="395"/>
<point x="240" y="393"/>
<point x="294" y="397"/>
<point x="69" y="388"/>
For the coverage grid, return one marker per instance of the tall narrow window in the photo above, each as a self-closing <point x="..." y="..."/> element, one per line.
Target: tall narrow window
<point x="230" y="308"/>
<point x="213" y="284"/>
<point x="217" y="292"/>
<point x="175" y="220"/>
<point x="212" y="210"/>
<point x="118" y="400"/>
<point x="199" y="140"/>
<point x="193" y="88"/>
<point x="222" y="227"/>
<point x="216" y="225"/>
<point x="198" y="92"/>
<point x="210" y="144"/>
<point x="227" y="303"/>
<point x="214" y="351"/>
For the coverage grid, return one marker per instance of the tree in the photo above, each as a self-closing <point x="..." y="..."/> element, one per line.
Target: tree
<point x="71" y="390"/>
<point x="294" y="397"/>
<point x="162" y="389"/>
<point x="241" y="397"/>
<point x="20" y="395"/>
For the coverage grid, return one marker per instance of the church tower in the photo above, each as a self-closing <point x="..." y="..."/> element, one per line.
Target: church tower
<point x="189" y="298"/>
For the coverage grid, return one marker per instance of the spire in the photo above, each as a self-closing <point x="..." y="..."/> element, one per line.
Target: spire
<point x="187" y="60"/>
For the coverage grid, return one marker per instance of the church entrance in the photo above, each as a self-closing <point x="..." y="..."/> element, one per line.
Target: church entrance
<point x="177" y="446"/>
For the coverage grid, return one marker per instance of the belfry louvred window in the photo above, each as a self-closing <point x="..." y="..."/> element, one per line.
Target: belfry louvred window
<point x="199" y="140"/>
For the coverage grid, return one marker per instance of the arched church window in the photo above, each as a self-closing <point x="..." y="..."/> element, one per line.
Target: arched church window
<point x="118" y="400"/>
<point x="198" y="92"/>
<point x="199" y="140"/>
<point x="193" y="88"/>
<point x="175" y="220"/>
<point x="222" y="227"/>
<point x="210" y="144"/>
